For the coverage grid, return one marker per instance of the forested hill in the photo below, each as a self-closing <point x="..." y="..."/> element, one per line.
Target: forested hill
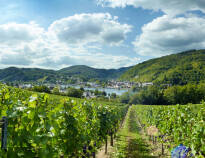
<point x="182" y="68"/>
<point x="83" y="71"/>
<point x="79" y="71"/>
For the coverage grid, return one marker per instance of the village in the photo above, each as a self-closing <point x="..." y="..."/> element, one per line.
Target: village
<point x="111" y="84"/>
<point x="110" y="87"/>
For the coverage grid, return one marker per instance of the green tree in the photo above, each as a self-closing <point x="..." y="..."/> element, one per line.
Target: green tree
<point x="124" y="98"/>
<point x="151" y="95"/>
<point x="135" y="89"/>
<point x="104" y="93"/>
<point x="113" y="95"/>
<point x="42" y="88"/>
<point x="73" y="92"/>
<point x="134" y="99"/>
<point x="82" y="89"/>
<point x="56" y="90"/>
<point x="96" y="92"/>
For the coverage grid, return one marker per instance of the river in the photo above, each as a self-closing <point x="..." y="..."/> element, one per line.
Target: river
<point x="107" y="90"/>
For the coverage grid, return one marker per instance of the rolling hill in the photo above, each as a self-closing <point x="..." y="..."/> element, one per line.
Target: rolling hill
<point x="87" y="72"/>
<point x="25" y="74"/>
<point x="176" y="69"/>
<point x="78" y="71"/>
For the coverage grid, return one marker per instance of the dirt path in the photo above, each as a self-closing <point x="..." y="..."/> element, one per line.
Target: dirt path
<point x="110" y="149"/>
<point x="136" y="145"/>
<point x="101" y="153"/>
<point x="131" y="141"/>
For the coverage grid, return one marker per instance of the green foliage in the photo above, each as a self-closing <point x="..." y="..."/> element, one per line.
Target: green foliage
<point x="185" y="94"/>
<point x="96" y="92"/>
<point x="27" y="74"/>
<point x="82" y="89"/>
<point x="42" y="88"/>
<point x="125" y="97"/>
<point x="42" y="125"/>
<point x="175" y="69"/>
<point x="71" y="81"/>
<point x="152" y="95"/>
<point x="135" y="89"/>
<point x="56" y="91"/>
<point x="80" y="71"/>
<point x="156" y="95"/>
<point x="104" y="93"/>
<point x="87" y="73"/>
<point x="113" y="95"/>
<point x="100" y="93"/>
<point x="179" y="124"/>
<point x="73" y="92"/>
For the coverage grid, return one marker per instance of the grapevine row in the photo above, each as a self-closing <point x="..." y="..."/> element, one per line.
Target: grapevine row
<point x="180" y="124"/>
<point x="40" y="126"/>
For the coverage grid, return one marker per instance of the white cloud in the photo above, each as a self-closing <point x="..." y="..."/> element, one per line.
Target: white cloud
<point x="165" y="35"/>
<point x="171" y="7"/>
<point x="87" y="28"/>
<point x="100" y="60"/>
<point x="15" y="34"/>
<point x="97" y="60"/>
<point x="67" y="42"/>
<point x="15" y="59"/>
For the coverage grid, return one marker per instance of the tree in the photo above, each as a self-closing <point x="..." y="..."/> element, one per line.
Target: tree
<point x="41" y="89"/>
<point x="134" y="99"/>
<point x="96" y="92"/>
<point x="113" y="95"/>
<point x="104" y="93"/>
<point x="135" y="89"/>
<point x="82" y="89"/>
<point x="151" y="95"/>
<point x="56" y="91"/>
<point x="124" y="98"/>
<point x="72" y="92"/>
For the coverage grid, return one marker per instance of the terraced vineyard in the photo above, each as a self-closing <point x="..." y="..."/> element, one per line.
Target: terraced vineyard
<point x="42" y="125"/>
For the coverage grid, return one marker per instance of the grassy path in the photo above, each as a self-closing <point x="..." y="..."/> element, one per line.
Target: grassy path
<point x="129" y="143"/>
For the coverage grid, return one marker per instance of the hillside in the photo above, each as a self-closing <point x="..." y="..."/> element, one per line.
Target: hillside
<point x="79" y="71"/>
<point x="86" y="72"/>
<point x="182" y="68"/>
<point x="25" y="74"/>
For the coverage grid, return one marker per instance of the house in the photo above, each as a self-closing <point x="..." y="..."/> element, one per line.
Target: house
<point x="88" y="95"/>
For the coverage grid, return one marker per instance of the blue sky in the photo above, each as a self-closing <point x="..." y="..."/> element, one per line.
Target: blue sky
<point x="100" y="33"/>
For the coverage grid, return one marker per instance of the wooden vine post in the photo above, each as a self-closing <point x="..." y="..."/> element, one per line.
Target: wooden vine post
<point x="93" y="153"/>
<point x="106" y="145"/>
<point x="111" y="138"/>
<point x="4" y="124"/>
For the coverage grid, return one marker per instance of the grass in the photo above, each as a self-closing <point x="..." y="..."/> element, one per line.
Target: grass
<point x="129" y="143"/>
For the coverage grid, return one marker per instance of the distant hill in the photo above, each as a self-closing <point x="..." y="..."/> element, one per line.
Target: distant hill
<point x="79" y="71"/>
<point x="182" y="68"/>
<point x="25" y="74"/>
<point x="87" y="72"/>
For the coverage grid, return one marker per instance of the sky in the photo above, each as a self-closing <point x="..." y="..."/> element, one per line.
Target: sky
<point x="54" y="34"/>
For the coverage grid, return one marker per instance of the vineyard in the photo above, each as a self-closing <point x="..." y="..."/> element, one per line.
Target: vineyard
<point x="42" y="125"/>
<point x="180" y="124"/>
